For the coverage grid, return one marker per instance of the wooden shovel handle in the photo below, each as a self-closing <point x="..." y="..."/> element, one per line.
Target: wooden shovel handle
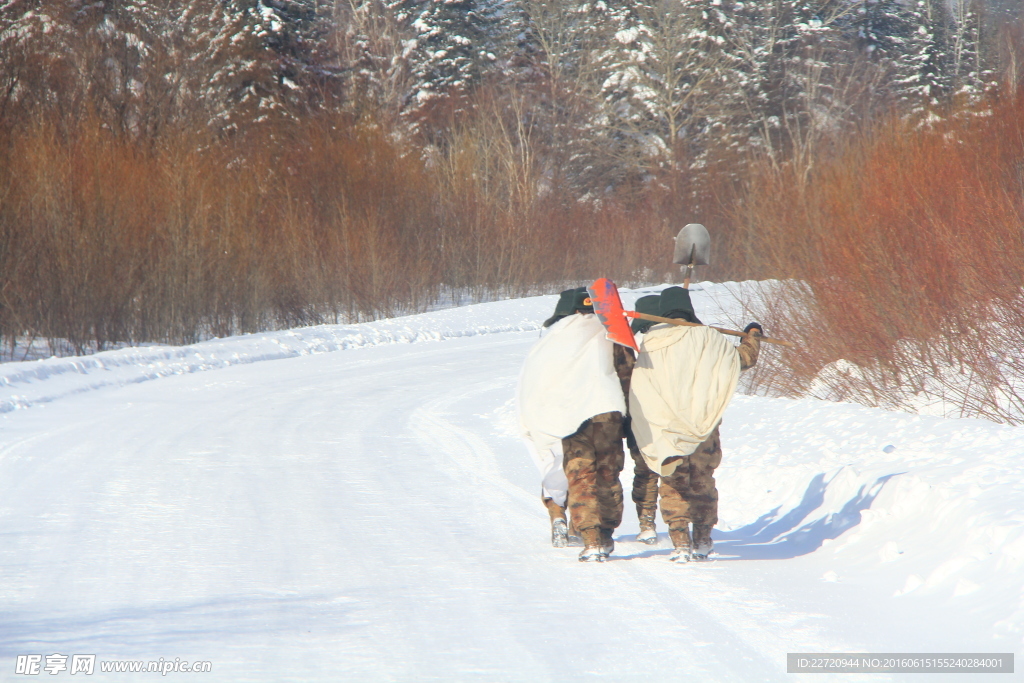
<point x="675" y="321"/>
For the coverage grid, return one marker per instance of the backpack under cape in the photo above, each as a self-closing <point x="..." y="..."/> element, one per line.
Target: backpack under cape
<point x="568" y="377"/>
<point x="683" y="381"/>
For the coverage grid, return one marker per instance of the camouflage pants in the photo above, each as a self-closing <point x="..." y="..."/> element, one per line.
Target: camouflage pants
<point x="592" y="463"/>
<point x="555" y="511"/>
<point x="645" y="483"/>
<point x="689" y="493"/>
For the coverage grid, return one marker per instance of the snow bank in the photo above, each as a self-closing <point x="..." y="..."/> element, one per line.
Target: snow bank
<point x="28" y="383"/>
<point x="918" y="508"/>
<point x="35" y="382"/>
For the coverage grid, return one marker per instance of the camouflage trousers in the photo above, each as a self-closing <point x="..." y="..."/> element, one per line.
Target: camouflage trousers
<point x="689" y="495"/>
<point x="645" y="483"/>
<point x="593" y="460"/>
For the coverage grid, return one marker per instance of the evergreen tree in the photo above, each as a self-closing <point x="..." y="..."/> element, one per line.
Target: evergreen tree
<point x="970" y="71"/>
<point x="948" y="54"/>
<point x="929" y="51"/>
<point x="883" y="31"/>
<point x="266" y="59"/>
<point x="661" y="92"/>
<point x="143" y="64"/>
<point x="454" y="44"/>
<point x="614" y="145"/>
<point x="559" y="44"/>
<point x="783" y="55"/>
<point x="570" y="44"/>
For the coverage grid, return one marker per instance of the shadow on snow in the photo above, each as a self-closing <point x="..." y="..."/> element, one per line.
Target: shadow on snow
<point x="781" y="537"/>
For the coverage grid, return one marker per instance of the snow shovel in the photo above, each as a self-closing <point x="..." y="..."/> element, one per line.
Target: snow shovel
<point x="608" y="307"/>
<point x="693" y="248"/>
<point x="604" y="296"/>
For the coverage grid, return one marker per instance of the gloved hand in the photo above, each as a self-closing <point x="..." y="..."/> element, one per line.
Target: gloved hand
<point x="754" y="326"/>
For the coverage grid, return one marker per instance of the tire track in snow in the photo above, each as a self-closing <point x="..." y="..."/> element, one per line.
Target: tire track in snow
<point x="460" y="452"/>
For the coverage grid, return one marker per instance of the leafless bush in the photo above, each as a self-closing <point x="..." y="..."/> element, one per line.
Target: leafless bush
<point x="109" y="238"/>
<point x="905" y="253"/>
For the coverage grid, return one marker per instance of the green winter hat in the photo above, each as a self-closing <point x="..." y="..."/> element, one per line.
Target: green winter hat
<point x="649" y="304"/>
<point x="675" y="303"/>
<point x="570" y="301"/>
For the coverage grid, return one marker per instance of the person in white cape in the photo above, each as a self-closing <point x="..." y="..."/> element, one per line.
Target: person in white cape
<point x="683" y="381"/>
<point x="571" y="401"/>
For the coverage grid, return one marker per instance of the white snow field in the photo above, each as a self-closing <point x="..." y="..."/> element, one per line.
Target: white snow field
<point x="353" y="503"/>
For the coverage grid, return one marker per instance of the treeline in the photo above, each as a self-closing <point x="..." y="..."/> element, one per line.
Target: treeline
<point x="175" y="170"/>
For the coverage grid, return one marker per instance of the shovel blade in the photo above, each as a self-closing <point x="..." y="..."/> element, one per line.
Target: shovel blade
<point x="693" y="246"/>
<point x="608" y="306"/>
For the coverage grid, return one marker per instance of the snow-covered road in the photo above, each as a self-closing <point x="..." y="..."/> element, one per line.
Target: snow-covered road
<point x="369" y="514"/>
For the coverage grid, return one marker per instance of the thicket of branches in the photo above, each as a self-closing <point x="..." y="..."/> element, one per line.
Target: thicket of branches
<point x="105" y="240"/>
<point x="905" y="252"/>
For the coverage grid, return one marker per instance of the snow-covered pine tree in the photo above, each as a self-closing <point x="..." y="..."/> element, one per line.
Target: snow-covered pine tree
<point x="653" y="74"/>
<point x="270" y="58"/>
<point x="60" y="57"/>
<point x="953" y="57"/>
<point x="972" y="71"/>
<point x="661" y="90"/>
<point x="781" y="56"/>
<point x="880" y="27"/>
<point x="453" y="45"/>
<point x="884" y="32"/>
<point x="608" y="149"/>
<point x="564" y="52"/>
<point x="370" y="44"/>
<point x="558" y="37"/>
<point x="559" y="46"/>
<point x="928" y="50"/>
<point x="143" y="64"/>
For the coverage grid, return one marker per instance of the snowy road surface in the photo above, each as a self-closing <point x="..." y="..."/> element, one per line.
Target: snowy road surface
<point x="369" y="514"/>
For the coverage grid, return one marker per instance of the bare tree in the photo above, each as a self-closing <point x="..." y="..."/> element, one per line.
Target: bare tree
<point x="565" y="37"/>
<point x="671" y="68"/>
<point x="371" y="46"/>
<point x="788" y="77"/>
<point x="1010" y="45"/>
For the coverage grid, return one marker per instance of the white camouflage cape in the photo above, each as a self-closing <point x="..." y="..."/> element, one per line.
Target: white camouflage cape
<point x="682" y="383"/>
<point x="568" y="377"/>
